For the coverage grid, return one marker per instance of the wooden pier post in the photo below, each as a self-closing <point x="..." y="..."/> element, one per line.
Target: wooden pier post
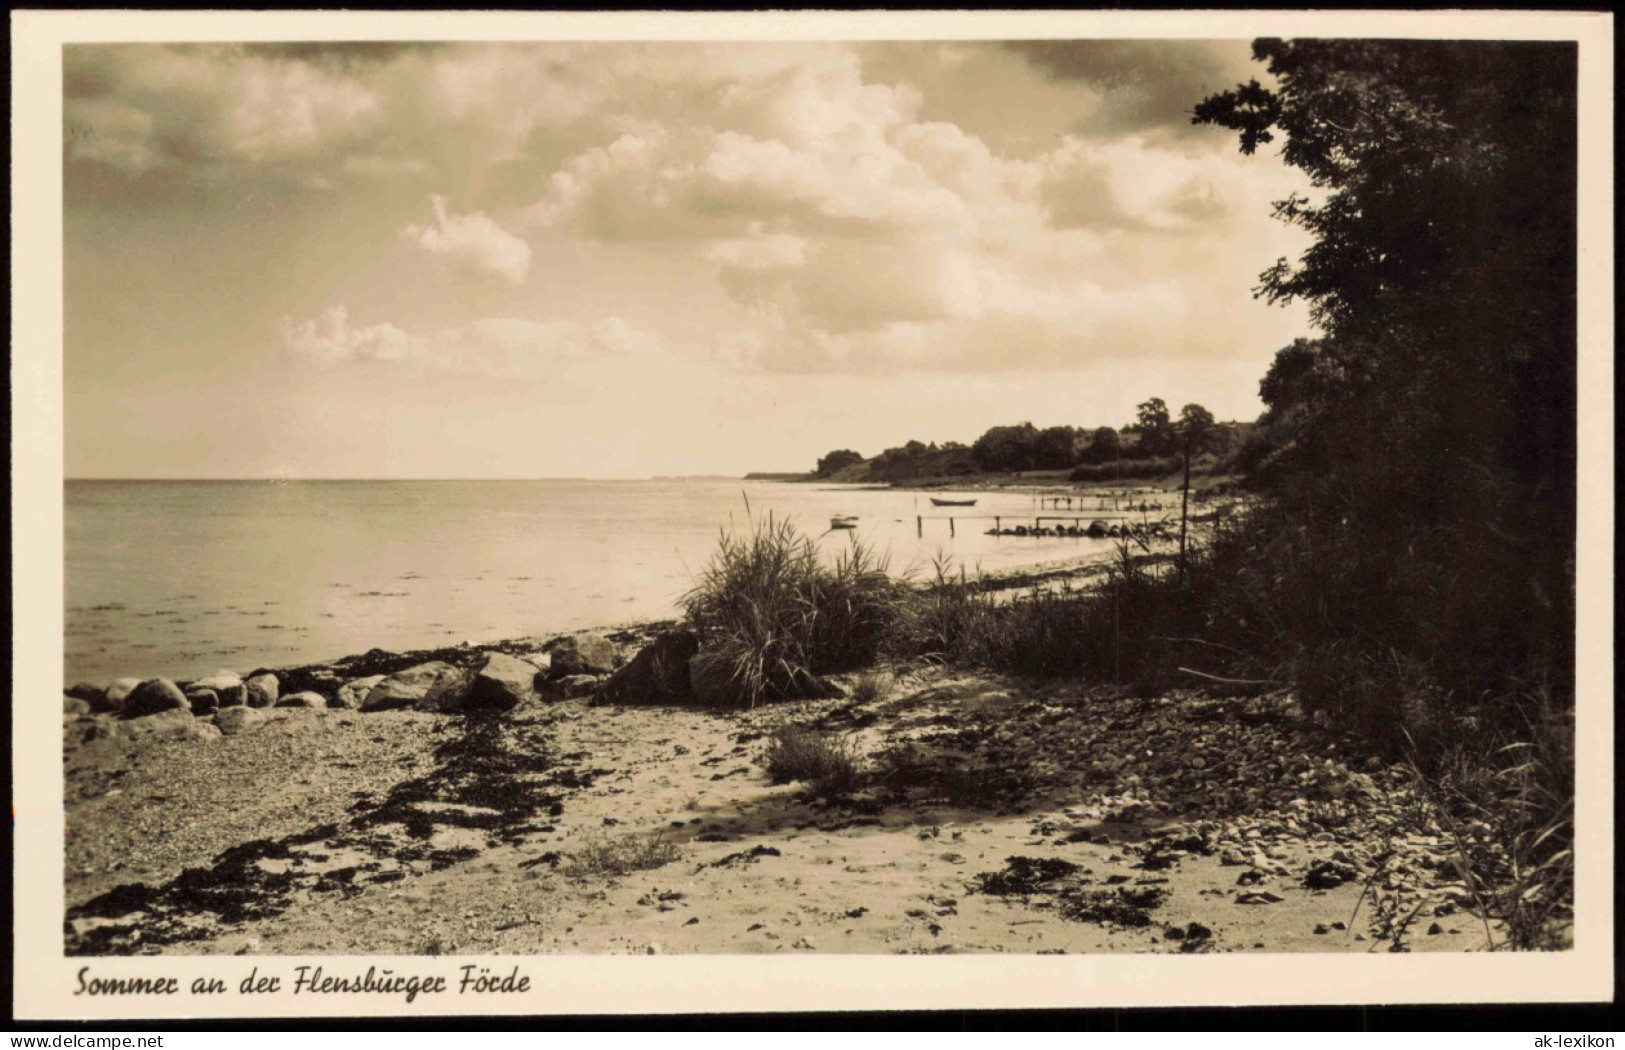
<point x="996" y="527"/>
<point x="950" y="528"/>
<point x="919" y="526"/>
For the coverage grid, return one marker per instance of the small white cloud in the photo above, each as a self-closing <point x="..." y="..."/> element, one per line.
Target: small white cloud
<point x="330" y="339"/>
<point x="474" y="243"/>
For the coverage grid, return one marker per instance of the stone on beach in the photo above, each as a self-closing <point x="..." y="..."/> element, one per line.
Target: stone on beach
<point x="583" y="654"/>
<point x="572" y="687"/>
<point x="710" y="679"/>
<point x="352" y="694"/>
<point x="261" y="690"/>
<point x="233" y="720"/>
<point x="118" y="693"/>
<point x="503" y="683"/>
<point x="434" y="686"/>
<point x="155" y="696"/>
<point x="175" y="723"/>
<point x="304" y="699"/>
<point x="203" y="701"/>
<point x="658" y="674"/>
<point x="74" y="707"/>
<point x="226" y="686"/>
<point x="87" y="691"/>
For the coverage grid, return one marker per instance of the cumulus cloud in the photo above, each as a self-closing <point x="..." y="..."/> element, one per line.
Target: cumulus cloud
<point x="473" y="243"/>
<point x="851" y="206"/>
<point x="138" y="107"/>
<point x="330" y="339"/>
<point x="498" y="346"/>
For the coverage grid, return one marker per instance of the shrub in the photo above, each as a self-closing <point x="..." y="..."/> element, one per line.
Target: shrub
<point x="828" y="764"/>
<point x="872" y="687"/>
<point x="1151" y="467"/>
<point x="772" y="616"/>
<point x="623" y="856"/>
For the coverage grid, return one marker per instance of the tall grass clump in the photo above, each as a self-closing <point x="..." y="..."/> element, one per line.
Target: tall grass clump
<point x="1123" y="630"/>
<point x="773" y="616"/>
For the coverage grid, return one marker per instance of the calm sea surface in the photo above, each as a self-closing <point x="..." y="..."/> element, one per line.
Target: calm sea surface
<point x="182" y="578"/>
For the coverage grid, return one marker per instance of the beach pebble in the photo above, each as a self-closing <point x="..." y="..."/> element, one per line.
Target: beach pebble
<point x="203" y="701"/>
<point x="233" y="720"/>
<point x="583" y="654"/>
<point x="261" y="690"/>
<point x="304" y="699"/>
<point x="503" y="683"/>
<point x="155" y="696"/>
<point x="353" y="693"/>
<point x="434" y="686"/>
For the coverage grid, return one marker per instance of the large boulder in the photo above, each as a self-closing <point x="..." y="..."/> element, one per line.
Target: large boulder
<point x="1098" y="528"/>
<point x="89" y="692"/>
<point x="351" y="694"/>
<point x="116" y="694"/>
<point x="434" y="686"/>
<point x="658" y="674"/>
<point x="710" y="679"/>
<point x="233" y="720"/>
<point x="503" y="683"/>
<point x="203" y="701"/>
<point x="155" y="696"/>
<point x="582" y="654"/>
<point x="303" y="699"/>
<point x="261" y="690"/>
<point x="226" y="686"/>
<point x="74" y="707"/>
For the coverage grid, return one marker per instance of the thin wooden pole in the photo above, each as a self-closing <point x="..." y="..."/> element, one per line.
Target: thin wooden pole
<point x="950" y="528"/>
<point x="1184" y="503"/>
<point x="919" y="526"/>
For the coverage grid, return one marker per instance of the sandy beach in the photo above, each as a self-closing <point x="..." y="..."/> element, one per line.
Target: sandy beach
<point x="1011" y="816"/>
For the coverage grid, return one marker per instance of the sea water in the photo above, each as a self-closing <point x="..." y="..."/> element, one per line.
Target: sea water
<point x="181" y="578"/>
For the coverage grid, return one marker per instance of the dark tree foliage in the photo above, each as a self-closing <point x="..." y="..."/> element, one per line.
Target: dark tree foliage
<point x="837" y="461"/>
<point x="1104" y="445"/>
<point x="1155" y="428"/>
<point x="1287" y="382"/>
<point x="1433" y="428"/>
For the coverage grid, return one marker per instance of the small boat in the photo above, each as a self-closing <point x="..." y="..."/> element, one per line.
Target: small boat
<point x="843" y="521"/>
<point x="935" y="502"/>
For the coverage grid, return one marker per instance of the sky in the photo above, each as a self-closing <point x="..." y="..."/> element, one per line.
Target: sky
<point x="636" y="259"/>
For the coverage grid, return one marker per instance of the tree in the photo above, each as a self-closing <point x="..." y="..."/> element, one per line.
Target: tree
<point x="1007" y="448"/>
<point x="1056" y="447"/>
<point x="1195" y="420"/>
<point x="836" y="461"/>
<point x="1153" y="425"/>
<point x="1441" y="271"/>
<point x="1443" y="261"/>
<point x="1287" y="381"/>
<point x="1104" y="445"/>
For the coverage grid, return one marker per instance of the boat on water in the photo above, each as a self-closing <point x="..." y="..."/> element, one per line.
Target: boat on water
<point x="935" y="502"/>
<point x="843" y="521"/>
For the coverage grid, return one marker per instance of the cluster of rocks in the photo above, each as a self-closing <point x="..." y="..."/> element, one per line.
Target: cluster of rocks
<point x="460" y="681"/>
<point x="1097" y="529"/>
